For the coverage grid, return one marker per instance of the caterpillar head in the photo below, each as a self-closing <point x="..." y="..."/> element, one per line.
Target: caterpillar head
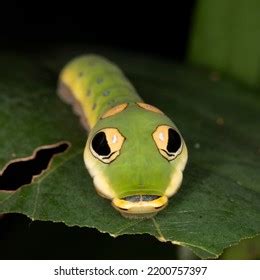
<point x="136" y="156"/>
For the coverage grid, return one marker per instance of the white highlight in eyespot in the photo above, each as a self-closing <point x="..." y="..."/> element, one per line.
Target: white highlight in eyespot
<point x="161" y="136"/>
<point x="114" y="139"/>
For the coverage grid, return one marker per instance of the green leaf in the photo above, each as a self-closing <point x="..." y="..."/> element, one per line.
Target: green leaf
<point x="248" y="249"/>
<point x="219" y="201"/>
<point x="226" y="37"/>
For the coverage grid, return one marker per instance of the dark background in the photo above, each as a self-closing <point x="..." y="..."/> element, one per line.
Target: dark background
<point x="150" y="29"/>
<point x="153" y="30"/>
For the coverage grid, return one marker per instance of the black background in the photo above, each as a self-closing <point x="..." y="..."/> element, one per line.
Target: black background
<point x="154" y="30"/>
<point x="151" y="29"/>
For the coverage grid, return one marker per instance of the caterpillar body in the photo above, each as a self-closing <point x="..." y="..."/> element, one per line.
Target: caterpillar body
<point x="134" y="152"/>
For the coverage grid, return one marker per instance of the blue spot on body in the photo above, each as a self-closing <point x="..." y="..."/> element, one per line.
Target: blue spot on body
<point x="100" y="80"/>
<point x="92" y="62"/>
<point x="106" y="93"/>
<point x="111" y="102"/>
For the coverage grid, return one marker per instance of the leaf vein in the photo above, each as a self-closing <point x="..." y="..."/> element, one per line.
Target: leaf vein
<point x="157" y="227"/>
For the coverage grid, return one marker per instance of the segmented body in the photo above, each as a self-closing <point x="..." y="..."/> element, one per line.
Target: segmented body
<point x="134" y="152"/>
<point x="96" y="85"/>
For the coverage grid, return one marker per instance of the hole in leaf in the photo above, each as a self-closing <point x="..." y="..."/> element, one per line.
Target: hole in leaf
<point x="21" y="172"/>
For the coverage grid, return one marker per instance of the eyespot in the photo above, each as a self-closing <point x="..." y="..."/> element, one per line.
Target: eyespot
<point x="106" y="144"/>
<point x="168" y="141"/>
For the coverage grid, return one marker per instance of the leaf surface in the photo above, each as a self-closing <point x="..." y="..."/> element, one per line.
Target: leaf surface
<point x="219" y="201"/>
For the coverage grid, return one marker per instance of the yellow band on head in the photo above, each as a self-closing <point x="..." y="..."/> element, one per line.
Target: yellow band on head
<point x="140" y="207"/>
<point x="115" y="110"/>
<point x="149" y="107"/>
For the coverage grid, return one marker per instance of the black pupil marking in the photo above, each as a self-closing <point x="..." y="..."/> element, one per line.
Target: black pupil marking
<point x="174" y="141"/>
<point x="100" y="145"/>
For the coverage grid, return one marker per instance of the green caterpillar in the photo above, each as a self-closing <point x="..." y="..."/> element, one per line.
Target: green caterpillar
<point x="134" y="152"/>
